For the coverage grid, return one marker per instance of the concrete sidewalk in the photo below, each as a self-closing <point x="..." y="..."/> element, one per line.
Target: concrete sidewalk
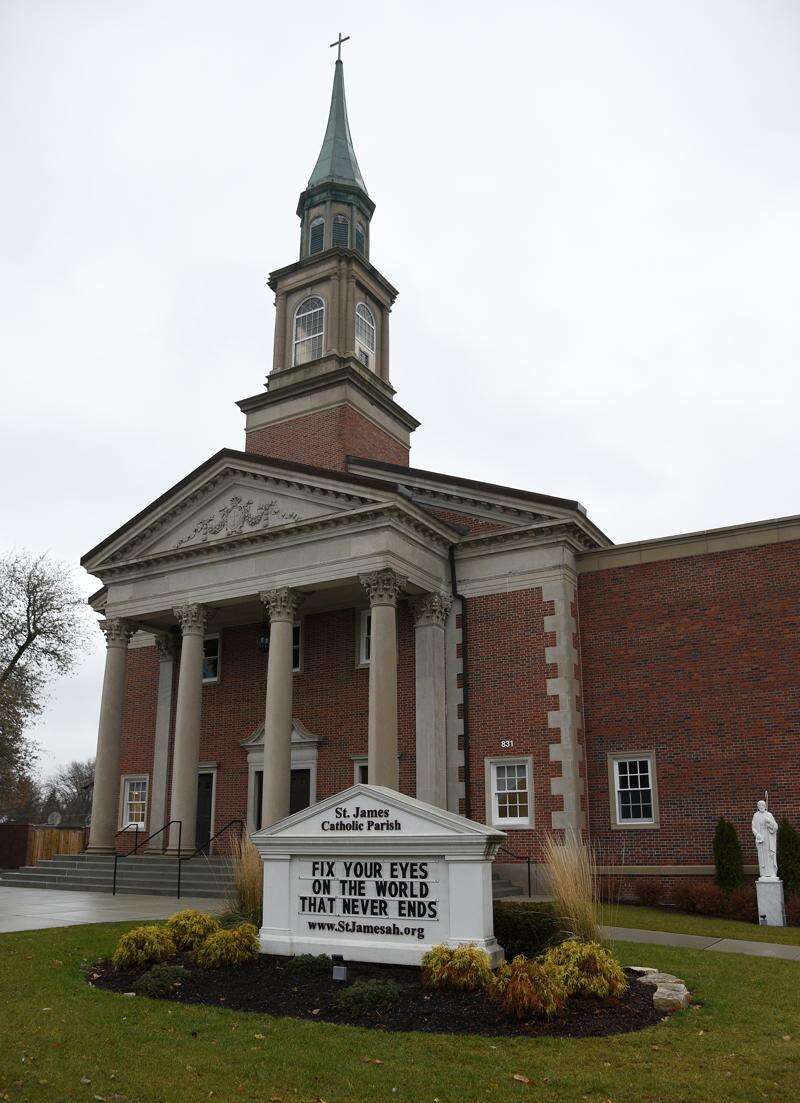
<point x="703" y="942"/>
<point x="37" y="909"/>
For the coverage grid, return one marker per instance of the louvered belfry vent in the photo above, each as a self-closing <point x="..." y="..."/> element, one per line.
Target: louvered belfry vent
<point x="341" y="230"/>
<point x="316" y="240"/>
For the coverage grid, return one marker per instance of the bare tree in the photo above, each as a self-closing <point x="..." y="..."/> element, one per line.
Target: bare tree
<point x="44" y="626"/>
<point x="72" y="787"/>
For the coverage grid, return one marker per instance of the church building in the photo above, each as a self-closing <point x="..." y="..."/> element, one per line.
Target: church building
<point x="312" y="610"/>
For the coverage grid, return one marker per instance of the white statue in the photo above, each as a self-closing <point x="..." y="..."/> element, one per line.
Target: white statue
<point x="765" y="830"/>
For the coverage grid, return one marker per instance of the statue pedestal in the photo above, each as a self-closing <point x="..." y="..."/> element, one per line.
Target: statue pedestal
<point x="769" y="894"/>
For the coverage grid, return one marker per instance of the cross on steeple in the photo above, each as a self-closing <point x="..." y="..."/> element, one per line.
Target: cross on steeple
<point x="338" y="44"/>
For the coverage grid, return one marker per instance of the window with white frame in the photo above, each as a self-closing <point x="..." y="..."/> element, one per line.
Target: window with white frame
<point x="134" y="801"/>
<point x="309" y="330"/>
<point x="364" y="636"/>
<point x="360" y="771"/>
<point x="634" y="789"/>
<point x="365" y="334"/>
<point x="511" y="792"/>
<point x="316" y="236"/>
<point x="211" y="659"/>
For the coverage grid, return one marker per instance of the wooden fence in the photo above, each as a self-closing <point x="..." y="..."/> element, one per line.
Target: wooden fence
<point x="49" y="841"/>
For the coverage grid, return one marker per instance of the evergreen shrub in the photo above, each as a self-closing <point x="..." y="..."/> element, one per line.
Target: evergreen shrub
<point x="368" y="995"/>
<point x="237" y="946"/>
<point x="143" y="946"/>
<point x="528" y="989"/>
<point x="789" y="856"/>
<point x="160" y="980"/>
<point x="587" y="968"/>
<point x="526" y="928"/>
<point x="306" y="965"/>
<point x="728" y="858"/>
<point x="190" y="927"/>
<point x="461" y="968"/>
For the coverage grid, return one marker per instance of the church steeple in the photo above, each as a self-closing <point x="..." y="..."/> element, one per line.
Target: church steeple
<point x="335" y="209"/>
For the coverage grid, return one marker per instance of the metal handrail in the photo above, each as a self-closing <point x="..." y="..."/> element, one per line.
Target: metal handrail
<point x="520" y="858"/>
<point x="142" y="843"/>
<point x="201" y="849"/>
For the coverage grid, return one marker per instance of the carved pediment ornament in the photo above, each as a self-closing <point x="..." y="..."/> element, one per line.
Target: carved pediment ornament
<point x="234" y="517"/>
<point x="383" y="587"/>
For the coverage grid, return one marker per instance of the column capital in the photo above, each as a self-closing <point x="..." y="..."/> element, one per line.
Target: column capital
<point x="281" y="603"/>
<point x="192" y="619"/>
<point x="117" y="631"/>
<point x="431" y="609"/>
<point x="383" y="587"/>
<point x="166" y="646"/>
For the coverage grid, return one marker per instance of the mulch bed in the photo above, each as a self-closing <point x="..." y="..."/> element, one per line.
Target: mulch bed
<point x="268" y="987"/>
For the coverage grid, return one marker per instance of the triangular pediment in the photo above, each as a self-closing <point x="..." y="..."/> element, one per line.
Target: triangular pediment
<point x="224" y="501"/>
<point x="368" y="812"/>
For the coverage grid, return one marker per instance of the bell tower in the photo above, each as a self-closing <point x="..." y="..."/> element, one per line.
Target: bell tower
<point x="329" y="394"/>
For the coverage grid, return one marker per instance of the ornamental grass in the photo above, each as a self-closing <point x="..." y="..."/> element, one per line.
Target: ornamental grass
<point x="587" y="969"/>
<point x="247" y="891"/>
<point x="572" y="873"/>
<point x="236" y="946"/>
<point x="191" y="927"/>
<point x="529" y="989"/>
<point x="460" y="968"/>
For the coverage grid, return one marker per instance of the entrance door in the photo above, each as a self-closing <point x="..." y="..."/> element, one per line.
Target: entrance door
<point x="300" y="791"/>
<point x="205" y="794"/>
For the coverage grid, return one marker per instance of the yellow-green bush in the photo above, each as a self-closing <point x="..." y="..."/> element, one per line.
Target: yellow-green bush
<point x="465" y="968"/>
<point x="190" y="927"/>
<point x="144" y="946"/>
<point x="588" y="968"/>
<point x="232" y="947"/>
<point x="528" y="989"/>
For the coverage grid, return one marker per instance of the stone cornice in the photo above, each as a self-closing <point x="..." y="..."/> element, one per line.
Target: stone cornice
<point x="553" y="531"/>
<point x="405" y="515"/>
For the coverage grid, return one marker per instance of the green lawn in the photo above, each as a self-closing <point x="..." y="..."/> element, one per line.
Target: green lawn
<point x="666" y="919"/>
<point x="61" y="1040"/>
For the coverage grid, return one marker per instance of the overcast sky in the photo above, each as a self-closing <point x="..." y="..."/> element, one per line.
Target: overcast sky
<point x="592" y="212"/>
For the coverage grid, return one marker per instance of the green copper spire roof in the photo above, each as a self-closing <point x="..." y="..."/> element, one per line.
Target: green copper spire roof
<point x="337" y="159"/>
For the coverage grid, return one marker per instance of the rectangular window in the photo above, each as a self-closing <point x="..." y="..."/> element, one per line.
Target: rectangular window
<point x="134" y="802"/>
<point x="360" y="771"/>
<point x="510" y="786"/>
<point x="297" y="641"/>
<point x="211" y="659"/>
<point x="634" y="789"/>
<point x="364" y="637"/>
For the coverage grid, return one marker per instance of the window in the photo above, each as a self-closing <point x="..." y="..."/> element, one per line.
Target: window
<point x="361" y="237"/>
<point x="309" y="330"/>
<point x="365" y="630"/>
<point x="341" y="230"/>
<point x="134" y="801"/>
<point x="297" y="640"/>
<point x="360" y="770"/>
<point x="316" y="236"/>
<point x="509" y="792"/>
<point x="365" y="333"/>
<point x="633" y="789"/>
<point x="211" y="659"/>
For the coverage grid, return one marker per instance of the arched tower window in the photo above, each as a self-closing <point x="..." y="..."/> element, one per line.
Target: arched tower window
<point x="316" y="236"/>
<point x="309" y="330"/>
<point x="365" y="334"/>
<point x="361" y="238"/>
<point x="341" y="230"/>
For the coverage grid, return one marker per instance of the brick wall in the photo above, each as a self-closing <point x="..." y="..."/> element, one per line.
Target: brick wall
<point x="330" y="698"/>
<point x="699" y="659"/>
<point x="326" y="438"/>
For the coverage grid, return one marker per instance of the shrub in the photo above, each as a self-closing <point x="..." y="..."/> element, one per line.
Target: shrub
<point x="701" y="898"/>
<point x="463" y="968"/>
<point x="368" y="995"/>
<point x="789" y="856"/>
<point x="588" y="969"/>
<point x="793" y="910"/>
<point x="742" y="904"/>
<point x="528" y="989"/>
<point x="306" y="965"/>
<point x="245" y="896"/>
<point x="233" y="947"/>
<point x="573" y="881"/>
<point x="728" y="857"/>
<point x="525" y="928"/>
<point x="143" y="946"/>
<point x="189" y="928"/>
<point x="648" y="891"/>
<point x="160" y="980"/>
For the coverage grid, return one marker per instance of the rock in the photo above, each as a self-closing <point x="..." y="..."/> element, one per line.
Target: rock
<point x="641" y="970"/>
<point x="655" y="978"/>
<point x="671" y="997"/>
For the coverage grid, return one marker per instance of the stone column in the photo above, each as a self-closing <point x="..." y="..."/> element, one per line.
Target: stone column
<point x="279" y="360"/>
<point x="383" y="588"/>
<point x="430" y="614"/>
<point x="166" y="645"/>
<point x="186" y="755"/>
<point x="281" y="605"/>
<point x="105" y="795"/>
<point x="384" y="362"/>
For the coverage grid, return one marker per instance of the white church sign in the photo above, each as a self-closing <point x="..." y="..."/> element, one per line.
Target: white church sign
<point x="374" y="875"/>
